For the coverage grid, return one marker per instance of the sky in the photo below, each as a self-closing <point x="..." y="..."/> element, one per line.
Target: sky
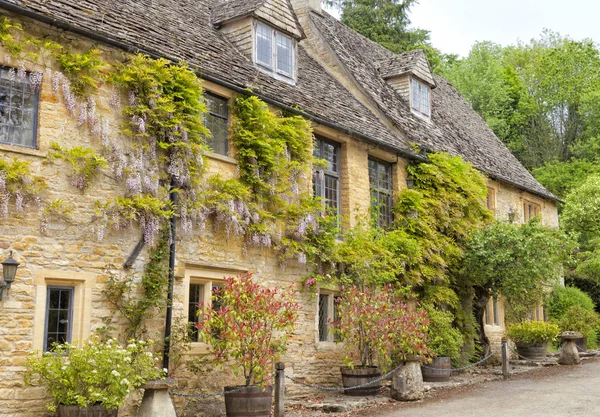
<point x="456" y="25"/>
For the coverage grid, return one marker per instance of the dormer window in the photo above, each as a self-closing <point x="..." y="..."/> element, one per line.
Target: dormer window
<point x="420" y="100"/>
<point x="275" y="52"/>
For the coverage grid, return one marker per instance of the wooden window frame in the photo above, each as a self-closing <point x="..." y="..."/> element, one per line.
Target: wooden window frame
<point x="491" y="199"/>
<point x="419" y="88"/>
<point x="273" y="68"/>
<point x="69" y="335"/>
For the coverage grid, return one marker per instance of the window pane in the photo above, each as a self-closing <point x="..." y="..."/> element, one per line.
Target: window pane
<point x="336" y="313"/>
<point x="18" y="107"/>
<point x="264" y="45"/>
<point x="380" y="179"/>
<point x="217" y="121"/>
<point x="285" y="54"/>
<point x="323" y="316"/>
<point x="331" y="192"/>
<point x="196" y="297"/>
<point x="58" y="316"/>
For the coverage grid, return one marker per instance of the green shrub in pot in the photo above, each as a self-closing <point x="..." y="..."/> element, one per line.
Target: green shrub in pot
<point x="444" y="338"/>
<point x="532" y="332"/>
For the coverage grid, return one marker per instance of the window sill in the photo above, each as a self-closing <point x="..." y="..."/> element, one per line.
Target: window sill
<point x="221" y="158"/>
<point x="198" y="348"/>
<point x="22" y="150"/>
<point x="329" y="345"/>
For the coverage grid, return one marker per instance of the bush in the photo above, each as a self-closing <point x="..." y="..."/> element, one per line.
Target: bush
<point x="580" y="320"/>
<point x="96" y="373"/>
<point x="563" y="298"/>
<point x="532" y="332"/>
<point x="444" y="338"/>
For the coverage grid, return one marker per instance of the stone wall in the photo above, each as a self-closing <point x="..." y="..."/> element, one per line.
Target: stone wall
<point x="70" y="254"/>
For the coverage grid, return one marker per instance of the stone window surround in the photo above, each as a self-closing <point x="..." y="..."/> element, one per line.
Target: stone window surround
<point x="527" y="203"/>
<point x="272" y="69"/>
<point x="82" y="284"/>
<point x="492" y="198"/>
<point x="208" y="275"/>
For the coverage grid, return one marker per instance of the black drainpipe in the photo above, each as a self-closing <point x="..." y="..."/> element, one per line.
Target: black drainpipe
<point x="172" y="247"/>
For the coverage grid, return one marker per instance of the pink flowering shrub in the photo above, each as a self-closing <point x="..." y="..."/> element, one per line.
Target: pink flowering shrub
<point x="377" y="328"/>
<point x="251" y="326"/>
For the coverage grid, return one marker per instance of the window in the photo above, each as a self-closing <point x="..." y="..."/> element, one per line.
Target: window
<point x="326" y="181"/>
<point x="380" y="180"/>
<point x="328" y="313"/>
<point x="275" y="51"/>
<point x="19" y="96"/>
<point x="59" y="316"/>
<point x="530" y="210"/>
<point x="217" y="121"/>
<point x="200" y="294"/>
<point x="420" y="98"/>
<point x="491" y="200"/>
<point x="492" y="314"/>
<point x="63" y="307"/>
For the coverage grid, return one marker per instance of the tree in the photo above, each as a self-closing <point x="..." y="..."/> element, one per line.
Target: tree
<point x="581" y="216"/>
<point x="515" y="261"/>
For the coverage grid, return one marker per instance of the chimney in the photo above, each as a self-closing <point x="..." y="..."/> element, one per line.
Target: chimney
<point x="307" y="5"/>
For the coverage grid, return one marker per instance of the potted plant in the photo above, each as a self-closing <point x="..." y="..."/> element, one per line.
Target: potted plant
<point x="94" y="379"/>
<point x="251" y="327"/>
<point x="374" y="325"/>
<point x="582" y="320"/>
<point x="532" y="338"/>
<point x="445" y="342"/>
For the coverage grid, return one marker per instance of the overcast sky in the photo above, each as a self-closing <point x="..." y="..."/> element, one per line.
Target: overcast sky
<point x="456" y="24"/>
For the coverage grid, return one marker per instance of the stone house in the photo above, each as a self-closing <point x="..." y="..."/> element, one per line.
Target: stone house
<point x="368" y="107"/>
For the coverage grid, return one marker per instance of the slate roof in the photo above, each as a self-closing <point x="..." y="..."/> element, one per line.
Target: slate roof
<point x="406" y="62"/>
<point x="228" y="10"/>
<point x="182" y="30"/>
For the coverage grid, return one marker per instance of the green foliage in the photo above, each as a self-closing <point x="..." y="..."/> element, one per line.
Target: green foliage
<point x="251" y="326"/>
<point x="375" y="325"/>
<point x="562" y="177"/>
<point x="124" y="294"/>
<point x="85" y="162"/>
<point x="516" y="261"/>
<point x="58" y="209"/>
<point x="17" y="184"/>
<point x="166" y="112"/>
<point x="96" y="373"/>
<point x="563" y="298"/>
<point x="444" y="338"/>
<point x="385" y="22"/>
<point x="85" y="70"/>
<point x="532" y="332"/>
<point x="8" y="38"/>
<point x="579" y="319"/>
<point x="581" y="216"/>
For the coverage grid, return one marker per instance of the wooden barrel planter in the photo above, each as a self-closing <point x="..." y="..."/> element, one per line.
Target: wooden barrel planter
<point x="90" y="411"/>
<point x="438" y="370"/>
<point x="253" y="401"/>
<point x="358" y="376"/>
<point x="532" y="351"/>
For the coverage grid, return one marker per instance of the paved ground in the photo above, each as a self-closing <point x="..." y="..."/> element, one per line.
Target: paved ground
<point x="550" y="392"/>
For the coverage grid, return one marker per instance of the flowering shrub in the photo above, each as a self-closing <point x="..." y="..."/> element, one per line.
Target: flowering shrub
<point x="374" y="325"/>
<point x="251" y="326"/>
<point x="97" y="373"/>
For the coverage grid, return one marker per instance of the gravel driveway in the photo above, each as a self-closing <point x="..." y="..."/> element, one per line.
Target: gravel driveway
<point x="554" y="391"/>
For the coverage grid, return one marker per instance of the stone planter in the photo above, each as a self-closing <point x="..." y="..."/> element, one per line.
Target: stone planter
<point x="90" y="411"/>
<point x="252" y="401"/>
<point x="407" y="382"/>
<point x="438" y="370"/>
<point x="532" y="351"/>
<point x="358" y="376"/>
<point x="581" y="344"/>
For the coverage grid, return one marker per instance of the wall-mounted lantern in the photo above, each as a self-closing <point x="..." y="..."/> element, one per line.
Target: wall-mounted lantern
<point x="9" y="271"/>
<point x="511" y="215"/>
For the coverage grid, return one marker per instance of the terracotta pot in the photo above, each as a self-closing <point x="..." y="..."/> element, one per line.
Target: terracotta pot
<point x="252" y="401"/>
<point x="90" y="411"/>
<point x="441" y="373"/>
<point x="358" y="376"/>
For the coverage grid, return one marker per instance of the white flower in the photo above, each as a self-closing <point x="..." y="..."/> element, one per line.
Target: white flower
<point x="124" y="381"/>
<point x="94" y="371"/>
<point x="115" y="373"/>
<point x="64" y="368"/>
